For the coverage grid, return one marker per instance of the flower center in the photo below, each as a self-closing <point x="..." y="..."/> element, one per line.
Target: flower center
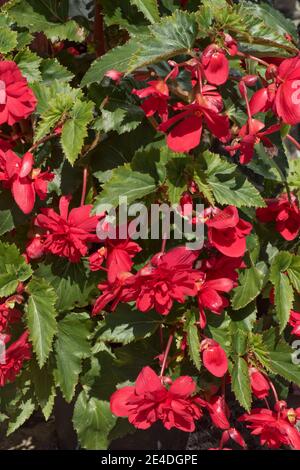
<point x="2" y="92"/>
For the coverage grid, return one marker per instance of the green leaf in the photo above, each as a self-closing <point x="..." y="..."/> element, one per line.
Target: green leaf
<point x="171" y="36"/>
<point x="284" y="295"/>
<point x="126" y="325"/>
<point x="174" y="35"/>
<point x="149" y="8"/>
<point x="276" y="355"/>
<point x="281" y="364"/>
<point x="250" y="285"/>
<point x="24" y="411"/>
<point x="240" y="382"/>
<point x="58" y="101"/>
<point x="93" y="422"/>
<point x="262" y="29"/>
<point x="119" y="120"/>
<point x="44" y="387"/>
<point x="176" y="181"/>
<point x="294" y="272"/>
<point x="41" y="317"/>
<point x="51" y="70"/>
<point x="228" y="185"/>
<point x="29" y="63"/>
<point x="6" y="221"/>
<point x="116" y="58"/>
<point x="70" y="281"/>
<point x="193" y="340"/>
<point x="239" y="339"/>
<point x="203" y="184"/>
<point x="74" y="130"/>
<point x="124" y="182"/>
<point x="71" y="346"/>
<point x="25" y="16"/>
<point x="8" y="40"/>
<point x="13" y="269"/>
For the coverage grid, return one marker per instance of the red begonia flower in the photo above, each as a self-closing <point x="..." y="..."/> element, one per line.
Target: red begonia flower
<point x="167" y="278"/>
<point x="272" y="427"/>
<point x="149" y="401"/>
<point x="287" y="99"/>
<point x="17" y="100"/>
<point x="294" y="321"/>
<point x="123" y="289"/>
<point x="218" y="410"/>
<point x="227" y="232"/>
<point x="215" y="65"/>
<point x="285" y="214"/>
<point x="218" y="275"/>
<point x="97" y="259"/>
<point x="114" y="75"/>
<point x="260" y="385"/>
<point x="188" y="124"/>
<point x="25" y="182"/>
<point x="251" y="134"/>
<point x="119" y="257"/>
<point x="14" y="357"/>
<point x="35" y="247"/>
<point x="157" y="95"/>
<point x="263" y="99"/>
<point x="8" y="316"/>
<point x="67" y="234"/>
<point x="5" y="145"/>
<point x="214" y="357"/>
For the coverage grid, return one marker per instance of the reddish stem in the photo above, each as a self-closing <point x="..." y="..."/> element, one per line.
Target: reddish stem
<point x="84" y="186"/>
<point x="169" y="344"/>
<point x="248" y="56"/>
<point x="274" y="391"/>
<point x="163" y="244"/>
<point x="294" y="141"/>
<point x="99" y="31"/>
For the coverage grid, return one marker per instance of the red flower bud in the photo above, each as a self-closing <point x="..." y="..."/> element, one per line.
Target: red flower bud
<point x="259" y="384"/>
<point x="214" y="357"/>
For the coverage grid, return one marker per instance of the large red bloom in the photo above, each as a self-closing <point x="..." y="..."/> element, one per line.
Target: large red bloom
<point x="287" y="99"/>
<point x="17" y="100"/>
<point x="24" y="182"/>
<point x="67" y="234"/>
<point x="285" y="213"/>
<point x="14" y="357"/>
<point x="273" y="428"/>
<point x="149" y="401"/>
<point x="123" y="289"/>
<point x="188" y="124"/>
<point x="227" y="232"/>
<point x="167" y="278"/>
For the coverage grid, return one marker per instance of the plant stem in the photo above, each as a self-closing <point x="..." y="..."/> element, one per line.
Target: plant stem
<point x="42" y="141"/>
<point x="99" y="31"/>
<point x="274" y="391"/>
<point x="257" y="59"/>
<point x="84" y="186"/>
<point x="294" y="141"/>
<point x="169" y="343"/>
